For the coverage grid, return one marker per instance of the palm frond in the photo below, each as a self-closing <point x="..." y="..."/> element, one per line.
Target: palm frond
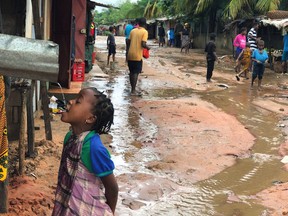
<point x="267" y="5"/>
<point x="147" y="9"/>
<point x="203" y="5"/>
<point x="154" y="9"/>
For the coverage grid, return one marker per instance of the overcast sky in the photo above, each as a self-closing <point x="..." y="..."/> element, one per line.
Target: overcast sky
<point x="112" y="2"/>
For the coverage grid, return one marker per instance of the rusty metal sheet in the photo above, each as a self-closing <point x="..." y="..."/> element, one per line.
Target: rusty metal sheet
<point x="28" y="58"/>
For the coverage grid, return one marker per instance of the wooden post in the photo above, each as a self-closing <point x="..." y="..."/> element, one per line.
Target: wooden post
<point x="21" y="150"/>
<point x="43" y="85"/>
<point x="46" y="112"/>
<point x="30" y="122"/>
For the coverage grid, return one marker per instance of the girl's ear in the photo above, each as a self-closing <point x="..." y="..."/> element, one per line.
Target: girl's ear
<point x="91" y="120"/>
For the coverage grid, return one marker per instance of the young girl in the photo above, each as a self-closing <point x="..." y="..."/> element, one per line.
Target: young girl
<point x="86" y="167"/>
<point x="245" y="57"/>
<point x="240" y="44"/>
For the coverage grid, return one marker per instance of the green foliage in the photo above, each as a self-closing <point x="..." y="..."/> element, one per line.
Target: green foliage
<point x="219" y="9"/>
<point x="112" y="16"/>
<point x="267" y="5"/>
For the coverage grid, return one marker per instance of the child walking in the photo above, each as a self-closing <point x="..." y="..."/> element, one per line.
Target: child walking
<point x="86" y="168"/>
<point x="111" y="45"/>
<point x="211" y="56"/>
<point x="245" y="57"/>
<point x="259" y="57"/>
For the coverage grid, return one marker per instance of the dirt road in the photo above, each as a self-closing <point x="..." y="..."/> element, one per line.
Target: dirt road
<point x="185" y="147"/>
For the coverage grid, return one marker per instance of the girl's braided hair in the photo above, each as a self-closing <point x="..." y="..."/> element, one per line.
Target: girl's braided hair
<point x="104" y="112"/>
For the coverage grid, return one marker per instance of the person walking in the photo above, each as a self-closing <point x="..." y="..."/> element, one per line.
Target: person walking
<point x="161" y="35"/>
<point x="240" y="44"/>
<point x="244" y="58"/>
<point x="86" y="183"/>
<point x="111" y="45"/>
<point x="171" y="37"/>
<point x="252" y="36"/>
<point x="211" y="56"/>
<point x="136" y="42"/>
<point x="186" y="38"/>
<point x="259" y="57"/>
<point x="128" y="28"/>
<point x="178" y="29"/>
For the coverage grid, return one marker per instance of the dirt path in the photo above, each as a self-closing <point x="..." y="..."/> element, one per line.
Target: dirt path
<point x="163" y="142"/>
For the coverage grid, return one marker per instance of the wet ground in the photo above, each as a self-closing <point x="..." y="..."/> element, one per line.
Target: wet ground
<point x="184" y="147"/>
<point x="159" y="189"/>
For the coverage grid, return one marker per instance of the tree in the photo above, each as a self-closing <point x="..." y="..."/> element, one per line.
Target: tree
<point x="250" y="8"/>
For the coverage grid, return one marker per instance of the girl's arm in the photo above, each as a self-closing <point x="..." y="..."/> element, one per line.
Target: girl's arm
<point x="111" y="190"/>
<point x="236" y="42"/>
<point x="255" y="60"/>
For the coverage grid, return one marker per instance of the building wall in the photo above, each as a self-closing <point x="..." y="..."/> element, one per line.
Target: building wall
<point x="79" y="11"/>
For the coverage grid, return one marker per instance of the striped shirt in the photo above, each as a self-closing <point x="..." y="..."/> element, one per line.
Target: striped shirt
<point x="252" y="41"/>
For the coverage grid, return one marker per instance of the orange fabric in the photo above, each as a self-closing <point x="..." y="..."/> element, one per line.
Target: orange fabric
<point x="3" y="134"/>
<point x="246" y="58"/>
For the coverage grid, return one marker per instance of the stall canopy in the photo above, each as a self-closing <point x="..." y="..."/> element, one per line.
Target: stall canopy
<point x="279" y="24"/>
<point x="276" y="18"/>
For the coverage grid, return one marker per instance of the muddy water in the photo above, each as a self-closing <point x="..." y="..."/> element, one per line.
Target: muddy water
<point x="263" y="168"/>
<point x="230" y="192"/>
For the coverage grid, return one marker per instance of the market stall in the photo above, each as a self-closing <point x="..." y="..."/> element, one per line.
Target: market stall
<point x="277" y="19"/>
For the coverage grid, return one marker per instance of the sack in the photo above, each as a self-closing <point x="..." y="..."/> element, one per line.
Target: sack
<point x="146" y="53"/>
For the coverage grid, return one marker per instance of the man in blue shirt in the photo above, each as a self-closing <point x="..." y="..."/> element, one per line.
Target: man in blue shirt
<point x="285" y="51"/>
<point x="129" y="27"/>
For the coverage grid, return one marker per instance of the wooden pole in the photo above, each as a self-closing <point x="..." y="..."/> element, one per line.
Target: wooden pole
<point x="43" y="85"/>
<point x="30" y="122"/>
<point x="21" y="148"/>
<point x="46" y="112"/>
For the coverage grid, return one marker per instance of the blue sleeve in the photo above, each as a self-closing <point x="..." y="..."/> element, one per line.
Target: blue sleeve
<point x="102" y="165"/>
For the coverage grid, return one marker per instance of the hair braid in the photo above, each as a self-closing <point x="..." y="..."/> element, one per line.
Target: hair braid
<point x="104" y="112"/>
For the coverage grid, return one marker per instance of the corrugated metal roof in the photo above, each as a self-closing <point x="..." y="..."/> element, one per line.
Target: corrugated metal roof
<point x="27" y="58"/>
<point x="104" y="5"/>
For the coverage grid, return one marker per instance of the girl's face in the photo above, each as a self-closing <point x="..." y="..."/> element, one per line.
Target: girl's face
<point x="79" y="109"/>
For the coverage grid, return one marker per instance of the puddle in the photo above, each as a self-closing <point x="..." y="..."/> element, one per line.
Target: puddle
<point x="172" y="93"/>
<point x="128" y="137"/>
<point x="230" y="192"/>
